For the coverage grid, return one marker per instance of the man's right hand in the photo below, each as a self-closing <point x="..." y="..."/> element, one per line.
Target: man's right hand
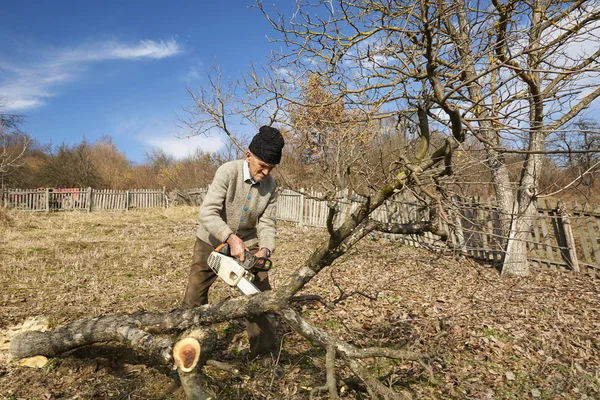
<point x="236" y="246"/>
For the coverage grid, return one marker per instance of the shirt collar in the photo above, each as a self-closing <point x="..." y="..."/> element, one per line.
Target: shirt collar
<point x="247" y="176"/>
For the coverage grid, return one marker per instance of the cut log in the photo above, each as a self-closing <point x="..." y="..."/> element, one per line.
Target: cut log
<point x="194" y="348"/>
<point x="186" y="354"/>
<point x="190" y="354"/>
<point x="120" y="328"/>
<point x="154" y="347"/>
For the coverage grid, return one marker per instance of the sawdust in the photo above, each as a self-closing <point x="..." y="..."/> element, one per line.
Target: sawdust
<point x="39" y="323"/>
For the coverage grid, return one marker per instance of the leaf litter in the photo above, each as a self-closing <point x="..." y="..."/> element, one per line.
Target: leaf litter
<point x="480" y="336"/>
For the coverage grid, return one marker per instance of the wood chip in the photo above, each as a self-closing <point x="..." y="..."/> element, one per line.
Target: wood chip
<point x="34" y="362"/>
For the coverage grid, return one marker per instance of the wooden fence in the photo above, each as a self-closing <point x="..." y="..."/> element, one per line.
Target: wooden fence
<point x="89" y="199"/>
<point x="562" y="237"/>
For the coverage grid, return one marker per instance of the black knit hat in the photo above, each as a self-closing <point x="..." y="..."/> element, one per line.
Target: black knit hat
<point x="267" y="145"/>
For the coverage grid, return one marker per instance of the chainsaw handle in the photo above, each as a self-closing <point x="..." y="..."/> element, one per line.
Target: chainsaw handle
<point x="262" y="264"/>
<point x="225" y="248"/>
<point x="237" y="247"/>
<point x="250" y="263"/>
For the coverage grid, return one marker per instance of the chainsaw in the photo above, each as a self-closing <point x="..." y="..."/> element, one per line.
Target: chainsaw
<point x="237" y="273"/>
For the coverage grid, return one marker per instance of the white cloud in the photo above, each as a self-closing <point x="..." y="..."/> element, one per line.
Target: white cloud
<point x="22" y="104"/>
<point x="184" y="147"/>
<point x="162" y="133"/>
<point x="117" y="51"/>
<point x="195" y="73"/>
<point x="25" y="85"/>
<point x="285" y="72"/>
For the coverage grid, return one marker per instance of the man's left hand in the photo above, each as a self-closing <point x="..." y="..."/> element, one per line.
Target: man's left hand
<point x="264" y="252"/>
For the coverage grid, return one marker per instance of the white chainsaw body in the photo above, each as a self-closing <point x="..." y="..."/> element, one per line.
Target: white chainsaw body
<point x="232" y="272"/>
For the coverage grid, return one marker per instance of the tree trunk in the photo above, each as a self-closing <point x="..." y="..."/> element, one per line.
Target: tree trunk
<point x="516" y="262"/>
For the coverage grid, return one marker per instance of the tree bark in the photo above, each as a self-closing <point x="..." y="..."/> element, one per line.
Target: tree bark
<point x="136" y="330"/>
<point x="190" y="354"/>
<point x="96" y="330"/>
<point x="515" y="261"/>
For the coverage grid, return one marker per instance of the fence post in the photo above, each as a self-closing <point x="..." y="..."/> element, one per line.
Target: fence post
<point x="47" y="199"/>
<point x="460" y="236"/>
<point x="301" y="216"/>
<point x="127" y="201"/>
<point x="164" y="197"/>
<point x="570" y="256"/>
<point x="89" y="196"/>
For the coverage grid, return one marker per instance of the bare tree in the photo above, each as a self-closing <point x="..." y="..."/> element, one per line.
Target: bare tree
<point x="14" y="145"/>
<point x="71" y="167"/>
<point x="508" y="73"/>
<point x="111" y="165"/>
<point x="579" y="157"/>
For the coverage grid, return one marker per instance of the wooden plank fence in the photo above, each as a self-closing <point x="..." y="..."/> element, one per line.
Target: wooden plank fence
<point x="72" y="199"/>
<point x="562" y="237"/>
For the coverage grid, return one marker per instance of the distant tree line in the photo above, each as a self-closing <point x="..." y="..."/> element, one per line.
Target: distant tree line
<point x="101" y="165"/>
<point x="322" y="156"/>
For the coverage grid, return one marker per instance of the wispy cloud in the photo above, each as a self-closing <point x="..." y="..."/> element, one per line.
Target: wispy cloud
<point x="161" y="132"/>
<point x="184" y="147"/>
<point x="195" y="73"/>
<point x="118" y="51"/>
<point x="25" y="85"/>
<point x="170" y="138"/>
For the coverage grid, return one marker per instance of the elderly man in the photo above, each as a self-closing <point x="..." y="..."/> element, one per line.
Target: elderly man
<point x="240" y="208"/>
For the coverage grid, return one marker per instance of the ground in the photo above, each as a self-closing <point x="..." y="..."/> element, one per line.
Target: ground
<point x="481" y="337"/>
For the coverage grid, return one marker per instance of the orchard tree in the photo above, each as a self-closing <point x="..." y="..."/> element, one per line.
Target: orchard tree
<point x="509" y="73"/>
<point x="178" y="335"/>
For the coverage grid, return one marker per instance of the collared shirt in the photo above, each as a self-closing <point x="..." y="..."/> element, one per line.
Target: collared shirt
<point x="247" y="176"/>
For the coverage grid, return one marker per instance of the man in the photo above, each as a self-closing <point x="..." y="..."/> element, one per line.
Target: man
<point x="240" y="208"/>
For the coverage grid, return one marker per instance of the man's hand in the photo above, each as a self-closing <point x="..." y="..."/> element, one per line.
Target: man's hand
<point x="236" y="247"/>
<point x="264" y="252"/>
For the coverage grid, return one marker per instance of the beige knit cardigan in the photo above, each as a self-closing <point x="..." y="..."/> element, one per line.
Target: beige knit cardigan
<point x="235" y="206"/>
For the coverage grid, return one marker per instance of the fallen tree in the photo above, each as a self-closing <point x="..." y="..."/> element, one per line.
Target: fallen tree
<point x="165" y="337"/>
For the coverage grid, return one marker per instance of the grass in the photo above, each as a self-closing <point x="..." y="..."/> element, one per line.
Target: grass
<point x="70" y="262"/>
<point x="472" y="326"/>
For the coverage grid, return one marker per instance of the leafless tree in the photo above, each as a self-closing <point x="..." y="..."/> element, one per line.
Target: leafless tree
<point x="159" y="336"/>
<point x="14" y="145"/>
<point x="579" y="157"/>
<point x="509" y="73"/>
<point x="71" y="167"/>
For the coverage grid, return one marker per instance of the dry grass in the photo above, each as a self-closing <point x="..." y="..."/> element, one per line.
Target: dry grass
<point x="74" y="264"/>
<point x="483" y="337"/>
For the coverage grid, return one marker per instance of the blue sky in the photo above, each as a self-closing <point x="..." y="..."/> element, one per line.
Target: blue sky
<point x="84" y="69"/>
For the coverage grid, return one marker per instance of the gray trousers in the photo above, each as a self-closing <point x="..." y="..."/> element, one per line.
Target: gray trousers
<point x="261" y="332"/>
